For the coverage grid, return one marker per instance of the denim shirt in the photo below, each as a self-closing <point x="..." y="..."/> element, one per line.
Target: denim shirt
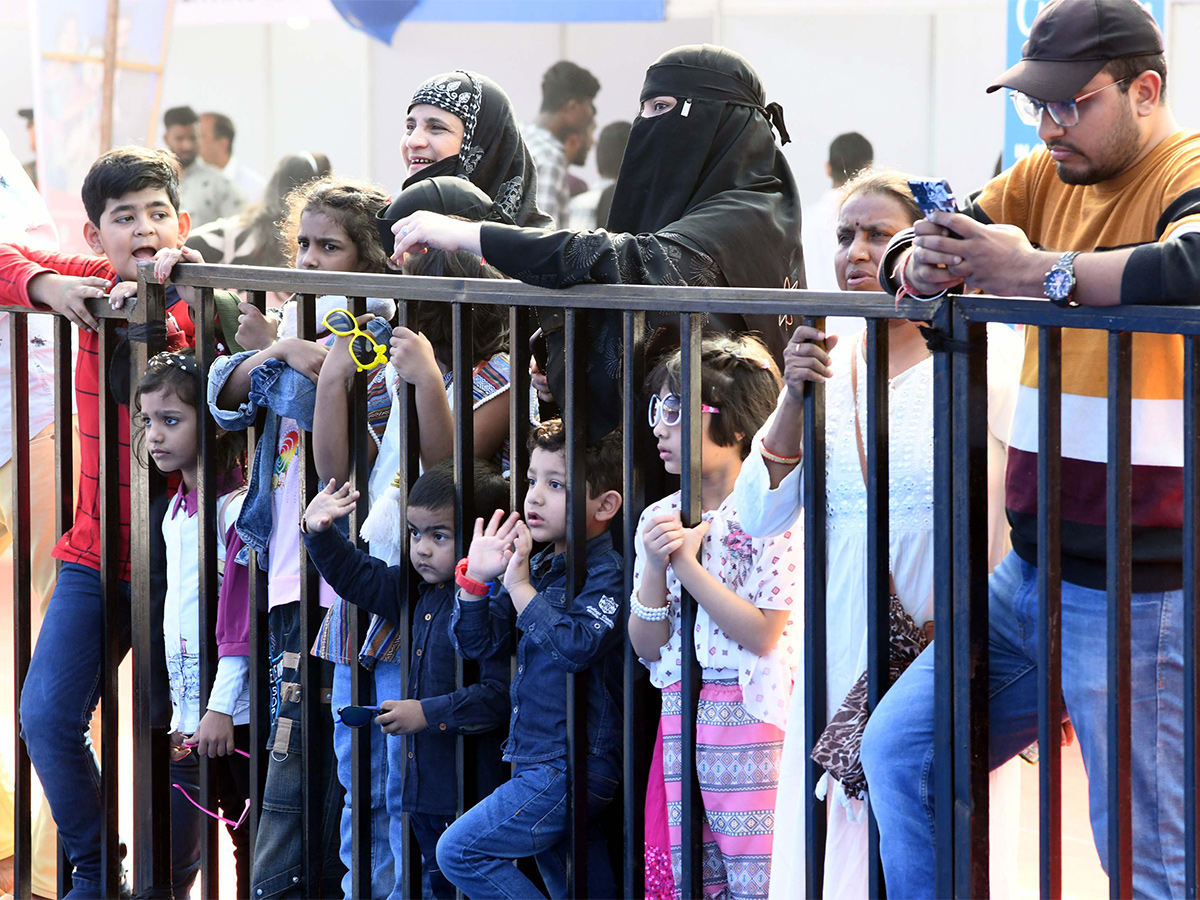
<point x="430" y="776"/>
<point x="556" y="641"/>
<point x="282" y="392"/>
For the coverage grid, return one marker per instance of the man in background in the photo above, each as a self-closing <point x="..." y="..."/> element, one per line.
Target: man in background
<point x="561" y="133"/>
<point x="216" y="149"/>
<point x="204" y="191"/>
<point x="589" y="210"/>
<point x="848" y="154"/>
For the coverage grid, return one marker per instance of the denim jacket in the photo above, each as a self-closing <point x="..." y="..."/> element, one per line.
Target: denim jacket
<point x="556" y="641"/>
<point x="430" y="779"/>
<point x="282" y="392"/>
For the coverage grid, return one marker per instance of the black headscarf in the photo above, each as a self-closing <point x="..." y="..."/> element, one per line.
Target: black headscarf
<point x="710" y="171"/>
<point x="493" y="154"/>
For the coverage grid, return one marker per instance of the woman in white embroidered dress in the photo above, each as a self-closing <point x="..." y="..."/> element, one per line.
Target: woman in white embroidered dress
<point x="768" y="494"/>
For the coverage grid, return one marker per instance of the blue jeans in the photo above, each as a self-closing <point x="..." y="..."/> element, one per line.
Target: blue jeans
<point x="385" y="872"/>
<point x="527" y="816"/>
<point x="897" y="748"/>
<point x="60" y="694"/>
<point x="279" y="848"/>
<point x="428" y="830"/>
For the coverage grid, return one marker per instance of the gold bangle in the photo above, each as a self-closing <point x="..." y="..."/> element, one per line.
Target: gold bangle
<point x="776" y="458"/>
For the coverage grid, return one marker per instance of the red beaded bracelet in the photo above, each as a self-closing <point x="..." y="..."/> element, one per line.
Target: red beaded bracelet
<point x="469" y="585"/>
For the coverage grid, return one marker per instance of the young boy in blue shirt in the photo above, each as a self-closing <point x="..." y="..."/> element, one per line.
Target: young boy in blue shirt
<point x="528" y="815"/>
<point x="433" y="712"/>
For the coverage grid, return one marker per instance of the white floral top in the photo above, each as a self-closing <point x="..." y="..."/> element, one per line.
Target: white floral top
<point x="766" y="572"/>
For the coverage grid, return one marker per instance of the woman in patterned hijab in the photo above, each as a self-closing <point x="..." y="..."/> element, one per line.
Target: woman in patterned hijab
<point x="704" y="197"/>
<point x="493" y="155"/>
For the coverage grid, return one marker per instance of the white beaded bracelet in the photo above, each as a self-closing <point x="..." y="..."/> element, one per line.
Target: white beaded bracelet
<point x="649" y="613"/>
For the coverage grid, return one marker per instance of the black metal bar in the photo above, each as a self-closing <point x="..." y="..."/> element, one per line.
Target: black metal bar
<point x="943" y="608"/>
<point x="409" y="469"/>
<point x="970" y="621"/>
<point x="151" y="770"/>
<point x="360" y="679"/>
<point x="520" y="329"/>
<point x="1050" y="609"/>
<point x="875" y="441"/>
<point x="692" y="812"/>
<point x="310" y="667"/>
<point x="18" y="341"/>
<point x="64" y="483"/>
<point x="466" y="672"/>
<point x="260" y="664"/>
<point x="815" y="662"/>
<point x="574" y="423"/>
<point x="1119" y="499"/>
<point x="635" y="759"/>
<point x="661" y="298"/>
<point x="1191" y="621"/>
<point x="208" y="491"/>
<point x="110" y="586"/>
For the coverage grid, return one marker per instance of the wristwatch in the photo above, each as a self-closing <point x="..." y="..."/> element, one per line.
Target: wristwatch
<point x="1059" y="285"/>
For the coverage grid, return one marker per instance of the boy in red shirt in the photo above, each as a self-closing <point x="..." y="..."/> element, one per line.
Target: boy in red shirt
<point x="132" y="200"/>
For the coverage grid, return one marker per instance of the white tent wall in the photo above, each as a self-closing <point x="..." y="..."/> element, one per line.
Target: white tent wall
<point x="909" y="75"/>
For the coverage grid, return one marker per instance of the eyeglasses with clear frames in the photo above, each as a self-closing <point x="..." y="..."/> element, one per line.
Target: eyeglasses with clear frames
<point x="668" y="409"/>
<point x="1064" y="112"/>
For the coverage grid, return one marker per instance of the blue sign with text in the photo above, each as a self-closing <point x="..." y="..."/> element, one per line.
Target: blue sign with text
<point x="1021" y="139"/>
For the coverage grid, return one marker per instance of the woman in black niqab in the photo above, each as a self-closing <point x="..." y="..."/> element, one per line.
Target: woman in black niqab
<point x="704" y="197"/>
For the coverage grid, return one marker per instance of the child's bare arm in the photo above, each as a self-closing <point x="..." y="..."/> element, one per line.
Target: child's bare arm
<point x="491" y="426"/>
<point x="305" y="357"/>
<point x="331" y="413"/>
<point x="660" y="535"/>
<point x="412" y="358"/>
<point x="758" y="630"/>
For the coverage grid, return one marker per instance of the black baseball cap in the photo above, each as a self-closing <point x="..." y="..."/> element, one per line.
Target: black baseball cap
<point x="1072" y="40"/>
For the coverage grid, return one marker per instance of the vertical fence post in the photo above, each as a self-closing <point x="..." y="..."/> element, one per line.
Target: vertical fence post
<point x="878" y="488"/>
<point x="970" y="622"/>
<point x="361" y="739"/>
<point x="64" y="482"/>
<point x="635" y="759"/>
<point x="312" y="691"/>
<point x="1191" y="621"/>
<point x="1050" y="609"/>
<point x="692" y="807"/>
<point x="574" y="422"/>
<point x="943" y="605"/>
<point x="18" y="334"/>
<point x="147" y="487"/>
<point x="1119" y="551"/>
<point x="204" y="318"/>
<point x="815" y="660"/>
<point x="259" y="640"/>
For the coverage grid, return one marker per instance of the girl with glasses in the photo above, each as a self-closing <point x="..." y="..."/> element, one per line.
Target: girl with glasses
<point x="747" y="626"/>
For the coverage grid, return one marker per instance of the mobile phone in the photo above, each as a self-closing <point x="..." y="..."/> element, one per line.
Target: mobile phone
<point x="932" y="194"/>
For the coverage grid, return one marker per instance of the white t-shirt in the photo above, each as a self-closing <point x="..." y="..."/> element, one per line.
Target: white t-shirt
<point x="230" y="692"/>
<point x="283" y="550"/>
<point x="766" y="572"/>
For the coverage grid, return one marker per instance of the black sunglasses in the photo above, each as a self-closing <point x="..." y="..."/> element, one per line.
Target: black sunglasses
<point x="357" y="716"/>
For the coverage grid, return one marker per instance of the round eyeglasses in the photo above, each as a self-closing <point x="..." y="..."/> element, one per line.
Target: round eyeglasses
<point x="1064" y="112"/>
<point x="667" y="409"/>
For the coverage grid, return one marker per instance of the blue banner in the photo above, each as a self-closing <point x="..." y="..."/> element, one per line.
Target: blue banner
<point x="381" y="18"/>
<point x="1021" y="139"/>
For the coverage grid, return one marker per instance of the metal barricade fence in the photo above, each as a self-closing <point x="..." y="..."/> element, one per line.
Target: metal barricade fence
<point x="959" y="435"/>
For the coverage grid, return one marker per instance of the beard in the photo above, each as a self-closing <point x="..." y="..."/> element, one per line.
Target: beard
<point x="1120" y="148"/>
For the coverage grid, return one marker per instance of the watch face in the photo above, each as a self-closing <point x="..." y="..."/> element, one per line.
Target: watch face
<point x="1059" y="284"/>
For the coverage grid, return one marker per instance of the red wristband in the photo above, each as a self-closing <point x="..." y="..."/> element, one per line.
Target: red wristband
<point x="467" y="584"/>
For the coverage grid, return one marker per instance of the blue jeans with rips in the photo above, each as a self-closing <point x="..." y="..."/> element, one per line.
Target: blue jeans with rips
<point x="385" y="871"/>
<point x="897" y="748"/>
<point x="527" y="816"/>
